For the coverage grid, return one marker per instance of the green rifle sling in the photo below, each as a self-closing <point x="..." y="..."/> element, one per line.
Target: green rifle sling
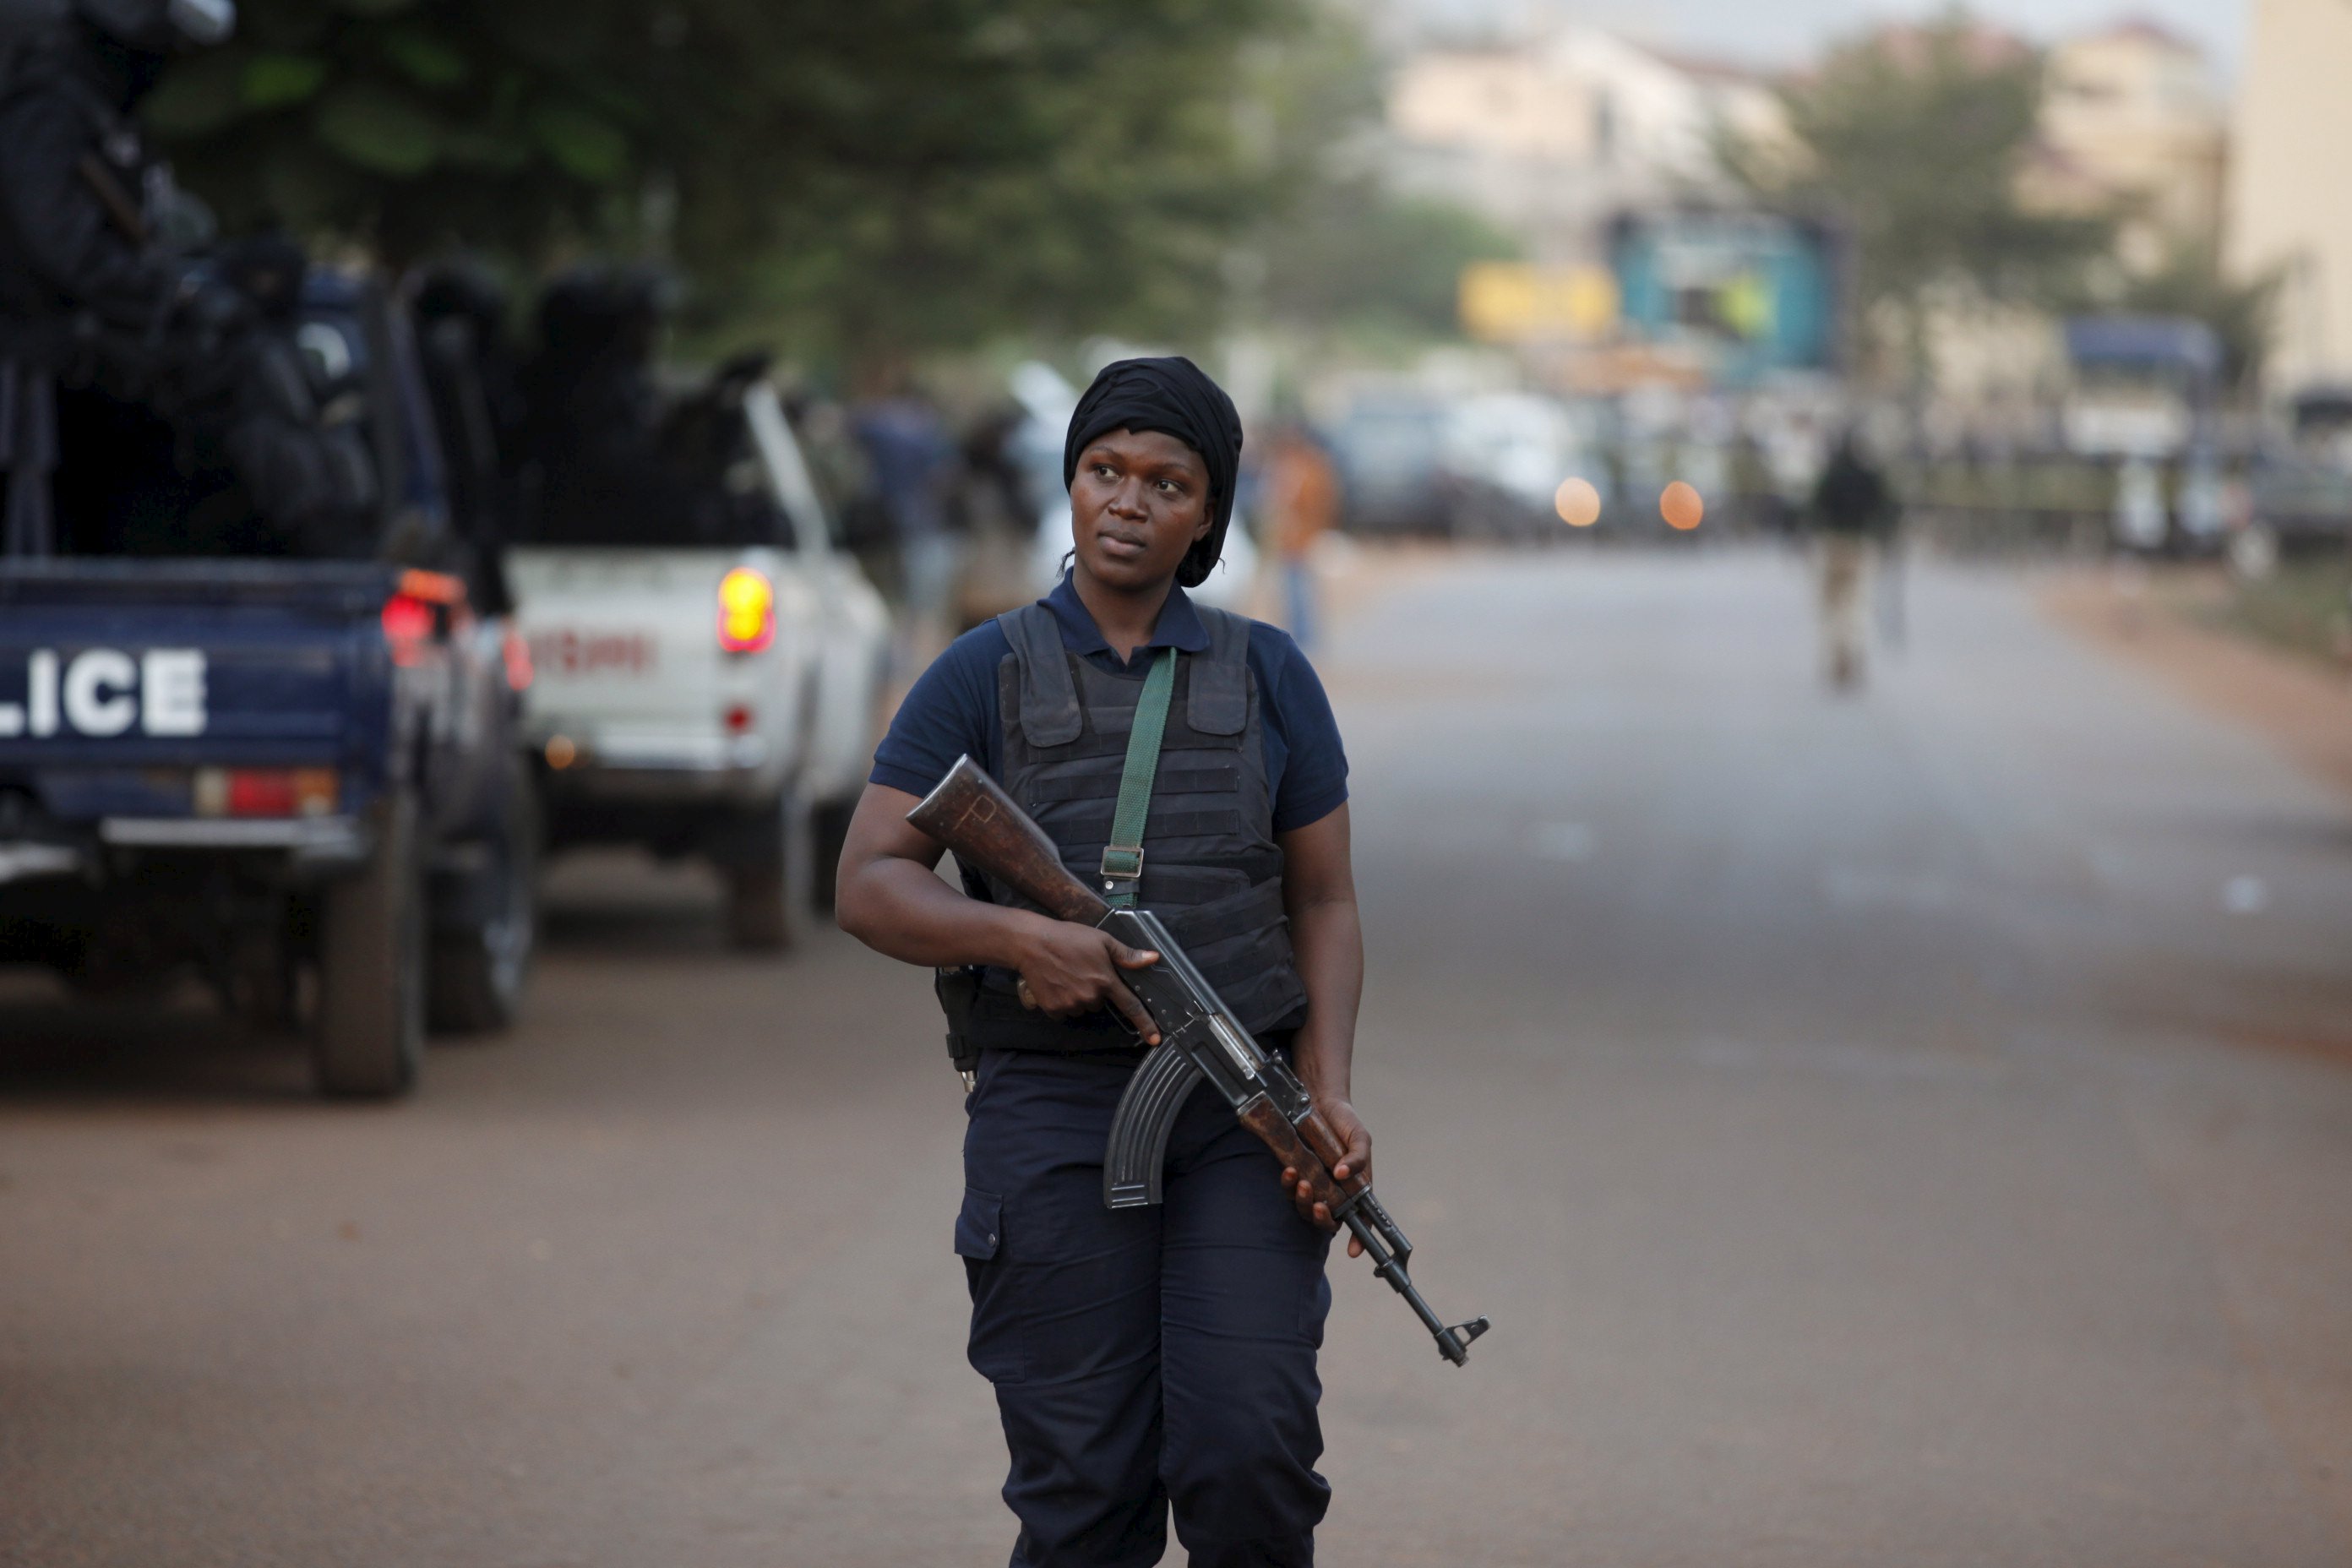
<point x="1122" y="859"/>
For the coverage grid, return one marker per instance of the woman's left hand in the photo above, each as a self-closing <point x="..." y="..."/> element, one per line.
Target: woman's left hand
<point x="1357" y="1140"/>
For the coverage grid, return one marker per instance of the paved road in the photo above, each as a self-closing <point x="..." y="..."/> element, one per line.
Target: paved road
<point x="1915" y="1131"/>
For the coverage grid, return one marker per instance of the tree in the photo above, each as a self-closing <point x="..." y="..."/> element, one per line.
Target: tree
<point x="895" y="174"/>
<point x="1339" y="248"/>
<point x="1355" y="256"/>
<point x="1914" y="140"/>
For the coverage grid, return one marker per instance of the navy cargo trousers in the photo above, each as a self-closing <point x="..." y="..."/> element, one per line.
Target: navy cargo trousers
<point x="1149" y="1359"/>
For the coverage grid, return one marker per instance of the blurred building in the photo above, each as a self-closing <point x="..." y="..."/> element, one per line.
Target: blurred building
<point x="2132" y="118"/>
<point x="2289" y="209"/>
<point x="1552" y="135"/>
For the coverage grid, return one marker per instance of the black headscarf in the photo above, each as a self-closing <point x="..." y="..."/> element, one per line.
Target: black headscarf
<point x="1175" y="397"/>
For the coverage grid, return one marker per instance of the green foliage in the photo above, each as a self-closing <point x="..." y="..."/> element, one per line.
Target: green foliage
<point x="1351" y="255"/>
<point x="1068" y="167"/>
<point x="2301" y="606"/>
<point x="1916" y="140"/>
<point x="893" y="173"/>
<point x="1338" y="249"/>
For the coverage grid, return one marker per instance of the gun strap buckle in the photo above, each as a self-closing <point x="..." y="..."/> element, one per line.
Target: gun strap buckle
<point x="1121" y="863"/>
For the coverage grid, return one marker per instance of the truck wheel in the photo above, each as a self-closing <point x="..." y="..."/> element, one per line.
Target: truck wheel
<point x="481" y="957"/>
<point x="829" y="831"/>
<point x="758" y="866"/>
<point x="370" y="1022"/>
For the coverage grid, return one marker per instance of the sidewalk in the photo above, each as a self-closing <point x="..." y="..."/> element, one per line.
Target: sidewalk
<point x="2147" y="619"/>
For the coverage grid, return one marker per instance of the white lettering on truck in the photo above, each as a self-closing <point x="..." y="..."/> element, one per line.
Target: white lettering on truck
<point x="172" y="691"/>
<point x="98" y="693"/>
<point x="103" y="691"/>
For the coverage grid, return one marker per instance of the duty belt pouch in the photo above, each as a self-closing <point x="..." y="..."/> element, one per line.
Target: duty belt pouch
<point x="959" y="993"/>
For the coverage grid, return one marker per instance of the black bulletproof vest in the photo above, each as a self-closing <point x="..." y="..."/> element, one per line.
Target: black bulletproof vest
<point x="1211" y="870"/>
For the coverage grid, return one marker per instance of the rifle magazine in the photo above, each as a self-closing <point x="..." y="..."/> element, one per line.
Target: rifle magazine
<point x="1139" y="1132"/>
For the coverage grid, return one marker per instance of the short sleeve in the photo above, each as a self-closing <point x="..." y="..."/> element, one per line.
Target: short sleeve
<point x="951" y="711"/>
<point x="1314" y="778"/>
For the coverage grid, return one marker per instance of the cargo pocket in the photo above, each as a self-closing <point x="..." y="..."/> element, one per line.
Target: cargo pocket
<point x="994" y="1348"/>
<point x="977" y="1232"/>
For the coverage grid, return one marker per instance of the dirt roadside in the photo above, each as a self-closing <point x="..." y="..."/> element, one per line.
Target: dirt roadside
<point x="2150" y="620"/>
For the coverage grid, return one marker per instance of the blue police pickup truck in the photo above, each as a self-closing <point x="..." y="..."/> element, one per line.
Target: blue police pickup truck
<point x="299" y="778"/>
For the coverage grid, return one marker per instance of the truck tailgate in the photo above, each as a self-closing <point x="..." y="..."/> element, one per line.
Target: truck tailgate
<point x="118" y="677"/>
<point x="626" y="653"/>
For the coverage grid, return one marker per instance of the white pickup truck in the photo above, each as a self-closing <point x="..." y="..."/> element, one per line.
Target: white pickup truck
<point x="710" y="698"/>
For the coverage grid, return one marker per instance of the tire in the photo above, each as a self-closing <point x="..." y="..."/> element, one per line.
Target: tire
<point x="829" y="831"/>
<point x="757" y="867"/>
<point x="370" y="1030"/>
<point x="481" y="957"/>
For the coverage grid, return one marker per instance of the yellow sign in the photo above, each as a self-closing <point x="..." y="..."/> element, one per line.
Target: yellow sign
<point x="1515" y="302"/>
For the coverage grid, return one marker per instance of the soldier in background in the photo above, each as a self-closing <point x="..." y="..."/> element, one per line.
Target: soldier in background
<point x="97" y="292"/>
<point x="591" y="416"/>
<point x="471" y="375"/>
<point x="912" y="463"/>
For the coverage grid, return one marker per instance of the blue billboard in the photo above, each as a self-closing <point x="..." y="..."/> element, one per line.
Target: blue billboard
<point x="1746" y="292"/>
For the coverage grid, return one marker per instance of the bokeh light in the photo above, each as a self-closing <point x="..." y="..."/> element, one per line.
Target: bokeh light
<point x="1680" y="505"/>
<point x="1578" y="503"/>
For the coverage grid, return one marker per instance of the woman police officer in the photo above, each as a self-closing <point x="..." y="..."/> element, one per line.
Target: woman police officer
<point x="1150" y="1359"/>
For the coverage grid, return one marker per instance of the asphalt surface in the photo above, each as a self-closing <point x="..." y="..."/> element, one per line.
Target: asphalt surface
<point x="1914" y="1129"/>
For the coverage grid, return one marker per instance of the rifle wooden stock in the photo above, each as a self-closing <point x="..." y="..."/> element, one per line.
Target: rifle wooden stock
<point x="970" y="814"/>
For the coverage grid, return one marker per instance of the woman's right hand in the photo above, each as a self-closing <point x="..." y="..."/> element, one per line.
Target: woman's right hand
<point x="1068" y="969"/>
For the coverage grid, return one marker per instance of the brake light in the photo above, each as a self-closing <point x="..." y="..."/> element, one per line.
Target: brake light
<point x="267" y="791"/>
<point x="747" y="611"/>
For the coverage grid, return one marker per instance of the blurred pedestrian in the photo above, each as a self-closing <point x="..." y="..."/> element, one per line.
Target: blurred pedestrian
<point x="996" y="518"/>
<point x="1154" y="1358"/>
<point x="912" y="465"/>
<point x="1301" y="496"/>
<point x="1854" y="513"/>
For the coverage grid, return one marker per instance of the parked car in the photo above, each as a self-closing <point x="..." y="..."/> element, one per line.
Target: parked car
<point x="1394" y="477"/>
<point x="710" y="695"/>
<point x="298" y="777"/>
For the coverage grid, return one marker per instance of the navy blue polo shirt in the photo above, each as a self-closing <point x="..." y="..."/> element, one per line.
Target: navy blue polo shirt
<point x="952" y="709"/>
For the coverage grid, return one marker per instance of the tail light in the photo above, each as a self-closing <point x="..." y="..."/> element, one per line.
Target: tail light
<point x="747" y="611"/>
<point x="267" y="791"/>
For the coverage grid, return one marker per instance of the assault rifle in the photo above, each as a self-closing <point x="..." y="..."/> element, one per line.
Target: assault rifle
<point x="1199" y="1039"/>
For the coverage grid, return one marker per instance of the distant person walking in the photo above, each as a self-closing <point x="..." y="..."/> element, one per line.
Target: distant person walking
<point x="1854" y="513"/>
<point x="1301" y="490"/>
<point x="913" y="463"/>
